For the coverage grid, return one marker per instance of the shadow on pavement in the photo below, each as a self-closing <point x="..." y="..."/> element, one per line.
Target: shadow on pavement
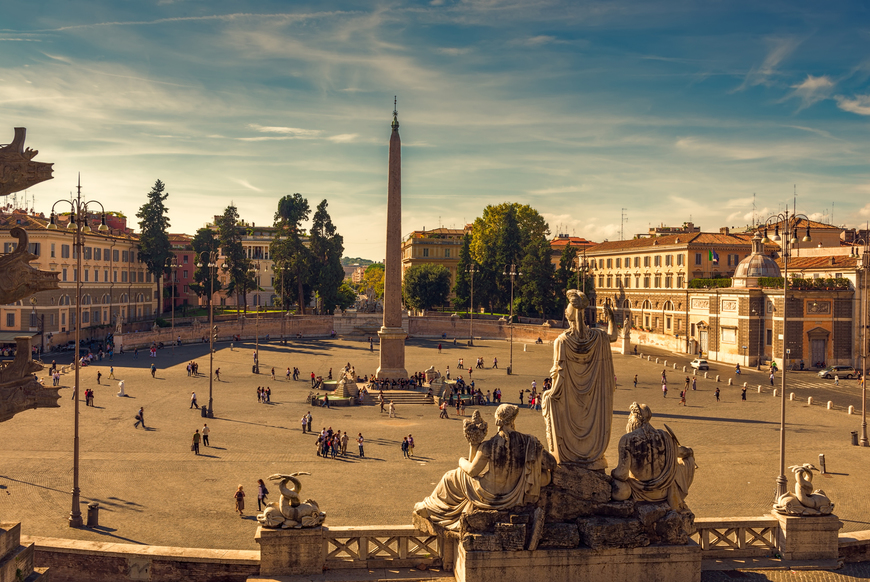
<point x="32" y="484"/>
<point x="102" y="530"/>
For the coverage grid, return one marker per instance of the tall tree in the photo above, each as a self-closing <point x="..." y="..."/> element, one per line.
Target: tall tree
<point x="238" y="265"/>
<point x="326" y="247"/>
<point x="154" y="247"/>
<point x="425" y="286"/>
<point x="373" y="279"/>
<point x="346" y="296"/>
<point x="536" y="287"/>
<point x="462" y="287"/>
<point x="289" y="253"/>
<point x="565" y="278"/>
<point x="508" y="251"/>
<point x="206" y="241"/>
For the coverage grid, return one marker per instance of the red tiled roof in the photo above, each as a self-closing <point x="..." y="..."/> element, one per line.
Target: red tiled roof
<point x="574" y="241"/>
<point x="822" y="262"/>
<point x="801" y="223"/>
<point x="701" y="238"/>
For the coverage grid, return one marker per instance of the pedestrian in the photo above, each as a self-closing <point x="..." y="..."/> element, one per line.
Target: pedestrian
<point x="196" y="438"/>
<point x="495" y="363"/>
<point x="312" y="379"/>
<point x="694" y="383"/>
<point x="140" y="418"/>
<point x="135" y="353"/>
<point x="686" y="388"/>
<point x="664" y="389"/>
<point x="461" y="407"/>
<point x="635" y="380"/>
<point x="273" y="374"/>
<point x="371" y="344"/>
<point x="268" y="395"/>
<point x="836" y="379"/>
<point x="439" y="348"/>
<point x="304" y="423"/>
<point x="325" y="401"/>
<point x="262" y="492"/>
<point x="259" y="394"/>
<point x="448" y="372"/>
<point x="392" y="410"/>
<point x="743" y="394"/>
<point x="664" y="376"/>
<point x="217" y="374"/>
<point x="360" y="442"/>
<point x="405" y="448"/>
<point x="381" y="400"/>
<point x="309" y="421"/>
<point x="683" y="397"/>
<point x="99" y="375"/>
<point x="240" y="500"/>
<point x="717" y="394"/>
<point x="193" y="403"/>
<point x="112" y="373"/>
<point x="443" y="408"/>
<point x="205" y="430"/>
<point x="344" y="439"/>
<point x="771" y="378"/>
<point x="153" y="370"/>
<point x="410" y="446"/>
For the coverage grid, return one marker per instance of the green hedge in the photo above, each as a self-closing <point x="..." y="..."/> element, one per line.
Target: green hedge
<point x="704" y="283"/>
<point x="838" y="283"/>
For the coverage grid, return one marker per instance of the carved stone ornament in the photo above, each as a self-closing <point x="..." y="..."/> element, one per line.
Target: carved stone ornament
<point x="700" y="303"/>
<point x="18" y="171"/>
<point x="804" y="501"/>
<point x="729" y="305"/>
<point x="18" y="279"/>
<point x="289" y="511"/>
<point x="819" y="307"/>
<point x="19" y="388"/>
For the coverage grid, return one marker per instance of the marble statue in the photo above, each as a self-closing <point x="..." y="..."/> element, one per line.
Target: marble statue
<point x="17" y="278"/>
<point x="431" y="374"/>
<point x="19" y="388"/>
<point x="288" y="511"/>
<point x="18" y="171"/>
<point x="578" y="408"/>
<point x="503" y="472"/>
<point x="804" y="501"/>
<point x="653" y="466"/>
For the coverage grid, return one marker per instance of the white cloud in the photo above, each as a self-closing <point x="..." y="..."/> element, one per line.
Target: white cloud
<point x="453" y="51"/>
<point x="290" y="131"/>
<point x="343" y="137"/>
<point x="556" y="190"/>
<point x="812" y="90"/>
<point x="860" y="104"/>
<point x="865" y="211"/>
<point x="782" y="47"/>
<point x="246" y="184"/>
<point x="539" y="40"/>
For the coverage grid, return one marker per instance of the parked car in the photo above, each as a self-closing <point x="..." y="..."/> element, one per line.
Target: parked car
<point x="700" y="364"/>
<point x="841" y="371"/>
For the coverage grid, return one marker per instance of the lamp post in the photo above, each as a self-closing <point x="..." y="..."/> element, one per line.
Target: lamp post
<point x="789" y="224"/>
<point x="513" y="273"/>
<point x="254" y="272"/>
<point x="471" y="270"/>
<point x="208" y="260"/>
<point x="172" y="265"/>
<point x="78" y="225"/>
<point x="865" y="269"/>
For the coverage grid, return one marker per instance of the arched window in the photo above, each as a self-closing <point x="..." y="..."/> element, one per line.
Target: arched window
<point x="669" y="306"/>
<point x="646" y="304"/>
<point x="626" y="304"/>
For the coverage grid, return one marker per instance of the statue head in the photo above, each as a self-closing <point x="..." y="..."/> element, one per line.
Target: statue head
<point x="577" y="299"/>
<point x="506" y="414"/>
<point x="639" y="415"/>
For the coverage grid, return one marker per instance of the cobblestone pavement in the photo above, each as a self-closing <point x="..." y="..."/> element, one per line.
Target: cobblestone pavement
<point x="153" y="490"/>
<point x="847" y="573"/>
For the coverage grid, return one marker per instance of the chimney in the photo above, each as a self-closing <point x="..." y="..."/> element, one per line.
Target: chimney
<point x="724" y="230"/>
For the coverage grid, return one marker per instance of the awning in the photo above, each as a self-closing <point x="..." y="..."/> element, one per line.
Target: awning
<point x="8" y="337"/>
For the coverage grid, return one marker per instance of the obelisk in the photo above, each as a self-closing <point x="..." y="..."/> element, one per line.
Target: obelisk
<point x="392" y="334"/>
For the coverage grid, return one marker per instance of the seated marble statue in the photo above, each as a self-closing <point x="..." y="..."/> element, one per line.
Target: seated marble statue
<point x="506" y="471"/>
<point x="804" y="500"/>
<point x="578" y="408"/>
<point x="653" y="466"/>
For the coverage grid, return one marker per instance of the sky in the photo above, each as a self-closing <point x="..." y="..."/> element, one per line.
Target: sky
<point x="661" y="111"/>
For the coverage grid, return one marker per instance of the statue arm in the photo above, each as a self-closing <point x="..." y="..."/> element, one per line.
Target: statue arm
<point x="612" y="332"/>
<point x="476" y="466"/>
<point x="622" y="470"/>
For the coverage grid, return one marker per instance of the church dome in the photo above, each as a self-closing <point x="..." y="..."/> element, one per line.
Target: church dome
<point x="756" y="265"/>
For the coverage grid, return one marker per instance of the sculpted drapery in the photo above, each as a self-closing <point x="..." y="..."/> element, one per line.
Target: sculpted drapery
<point x="579" y="407"/>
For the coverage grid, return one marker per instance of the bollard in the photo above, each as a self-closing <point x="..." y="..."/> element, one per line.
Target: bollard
<point x="852" y="411"/>
<point x="759" y="388"/>
<point x="730" y="383"/>
<point x="830" y="405"/>
<point x="647" y="358"/>
<point x="717" y="377"/>
<point x="791" y="395"/>
<point x="657" y="360"/>
<point x="684" y="369"/>
<point x="744" y="384"/>
<point x="93" y="514"/>
<point x="694" y="372"/>
<point x="775" y="392"/>
<point x="525" y="346"/>
<point x="822" y="463"/>
<point x="665" y="363"/>
<point x="705" y="374"/>
<point x="855" y="438"/>
<point x="675" y="367"/>
<point x="810" y="400"/>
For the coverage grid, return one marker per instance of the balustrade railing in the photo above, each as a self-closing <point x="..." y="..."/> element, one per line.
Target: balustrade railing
<point x="736" y="537"/>
<point x="379" y="547"/>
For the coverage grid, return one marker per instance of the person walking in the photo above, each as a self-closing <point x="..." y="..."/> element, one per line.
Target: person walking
<point x="836" y="379"/>
<point x="140" y="418"/>
<point x="371" y="344"/>
<point x="443" y="408"/>
<point x="312" y="379"/>
<point x="325" y="401"/>
<point x="664" y="389"/>
<point x="405" y="448"/>
<point x="217" y="374"/>
<point x="686" y="387"/>
<point x="262" y="492"/>
<point x="683" y="396"/>
<point x="196" y="438"/>
<point x="273" y="374"/>
<point x="381" y="400"/>
<point x="112" y="373"/>
<point x="392" y="410"/>
<point x="204" y="432"/>
<point x="344" y="439"/>
<point x="694" y="383"/>
<point x="193" y="403"/>
<point x="439" y="348"/>
<point x="771" y="378"/>
<point x="240" y="500"/>
<point x="495" y="363"/>
<point x="360" y="441"/>
<point x="410" y="446"/>
<point x="717" y="394"/>
<point x="99" y="375"/>
<point x="743" y="394"/>
<point x="635" y="380"/>
<point x="153" y="370"/>
<point x="304" y="423"/>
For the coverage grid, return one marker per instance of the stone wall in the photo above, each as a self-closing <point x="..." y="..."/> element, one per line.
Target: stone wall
<point x="80" y="561"/>
<point x="459" y="328"/>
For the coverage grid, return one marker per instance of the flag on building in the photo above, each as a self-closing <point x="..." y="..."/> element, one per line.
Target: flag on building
<point x="713" y="256"/>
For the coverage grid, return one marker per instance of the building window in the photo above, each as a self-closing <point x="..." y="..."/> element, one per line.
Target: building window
<point x="636" y="262"/>
<point x="185" y="274"/>
<point x="601" y="281"/>
<point x="657" y="261"/>
<point x="63" y="318"/>
<point x="668" y="322"/>
<point x="729" y="335"/>
<point x="697" y="258"/>
<point x="148" y="277"/>
<point x="115" y="255"/>
<point x="98" y="254"/>
<point x="125" y="257"/>
<point x="646" y="282"/>
<point x="64" y="251"/>
<point x="693" y="330"/>
<point x="636" y="282"/>
<point x="184" y="260"/>
<point x="141" y="276"/>
<point x="680" y="260"/>
<point x="186" y="290"/>
<point x="627" y="282"/>
<point x="769" y="337"/>
<point x="87" y="275"/>
<point x="114" y="276"/>
<point x="669" y="260"/>
<point x="658" y="281"/>
<point x="618" y="263"/>
<point x="85" y="317"/>
<point x="668" y="281"/>
<point x="446" y="253"/>
<point x="10" y="320"/>
<point x="646" y="261"/>
<point x="63" y="275"/>
<point x="425" y="252"/>
<point x="86" y="254"/>
<point x="609" y="263"/>
<point x="679" y="281"/>
<point x="52" y="250"/>
<point x="609" y="281"/>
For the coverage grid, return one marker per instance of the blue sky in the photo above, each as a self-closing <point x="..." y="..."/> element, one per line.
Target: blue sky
<point x="672" y="110"/>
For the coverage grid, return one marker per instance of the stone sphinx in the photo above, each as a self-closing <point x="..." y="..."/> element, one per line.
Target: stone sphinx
<point x="653" y="466"/>
<point x="289" y="511"/>
<point x="804" y="500"/>
<point x="578" y="408"/>
<point x="504" y="472"/>
<point x="18" y="171"/>
<point x="17" y="278"/>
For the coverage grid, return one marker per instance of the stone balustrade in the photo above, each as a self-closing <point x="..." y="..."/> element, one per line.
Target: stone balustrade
<point x="736" y="537"/>
<point x="379" y="547"/>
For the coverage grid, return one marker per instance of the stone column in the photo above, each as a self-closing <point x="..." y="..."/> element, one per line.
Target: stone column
<point x="392" y="334"/>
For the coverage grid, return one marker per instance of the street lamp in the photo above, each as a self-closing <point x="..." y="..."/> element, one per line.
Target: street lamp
<point x="172" y="265"/>
<point x="790" y="225"/>
<point x="254" y="273"/>
<point x="208" y="260"/>
<point x="865" y="268"/>
<point x="512" y="272"/>
<point x="471" y="270"/>
<point x="78" y="225"/>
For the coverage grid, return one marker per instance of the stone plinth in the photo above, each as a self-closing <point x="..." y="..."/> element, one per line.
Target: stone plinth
<point x="651" y="564"/>
<point x="290" y="552"/>
<point x="16" y="559"/>
<point x="392" y="353"/>
<point x="808" y="537"/>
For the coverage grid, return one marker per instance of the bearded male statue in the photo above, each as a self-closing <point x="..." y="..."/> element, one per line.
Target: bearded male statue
<point x="653" y="466"/>
<point x="578" y="408"/>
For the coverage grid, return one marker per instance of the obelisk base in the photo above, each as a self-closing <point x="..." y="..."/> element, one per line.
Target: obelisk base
<point x="392" y="354"/>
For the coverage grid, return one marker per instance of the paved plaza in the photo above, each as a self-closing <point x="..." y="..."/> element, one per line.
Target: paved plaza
<point x="153" y="490"/>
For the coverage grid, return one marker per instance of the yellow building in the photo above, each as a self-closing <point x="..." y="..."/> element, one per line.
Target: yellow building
<point x="439" y="246"/>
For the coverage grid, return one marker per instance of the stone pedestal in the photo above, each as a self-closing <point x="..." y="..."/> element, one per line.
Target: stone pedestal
<point x="392" y="353"/>
<point x="290" y="552"/>
<point x="808" y="538"/>
<point x="16" y="560"/>
<point x="651" y="563"/>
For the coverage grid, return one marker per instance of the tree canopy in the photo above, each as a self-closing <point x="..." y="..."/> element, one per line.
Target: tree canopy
<point x="326" y="247"/>
<point x="206" y="241"/>
<point x="426" y="286"/>
<point x="238" y="265"/>
<point x="291" y="257"/>
<point x="154" y="246"/>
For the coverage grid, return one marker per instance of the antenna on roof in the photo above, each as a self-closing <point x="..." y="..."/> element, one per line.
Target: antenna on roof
<point x="753" y="210"/>
<point x="622" y="219"/>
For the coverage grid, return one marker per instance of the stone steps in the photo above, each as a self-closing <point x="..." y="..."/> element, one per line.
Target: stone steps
<point x="16" y="560"/>
<point x="400" y="397"/>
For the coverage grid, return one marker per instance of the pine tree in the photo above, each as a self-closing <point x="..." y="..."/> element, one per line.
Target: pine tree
<point x="462" y="287"/>
<point x="326" y="247"/>
<point x="536" y="287"/>
<point x="205" y="241"/>
<point x="291" y="257"/>
<point x="154" y="246"/>
<point x="238" y="265"/>
<point x="565" y="278"/>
